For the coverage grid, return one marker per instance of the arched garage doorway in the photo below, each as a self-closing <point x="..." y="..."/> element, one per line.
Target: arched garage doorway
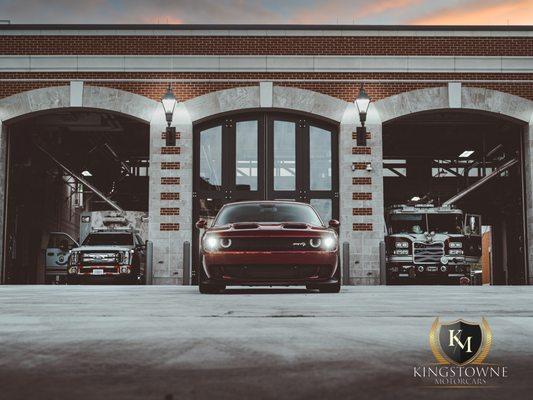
<point x="269" y="155"/>
<point x="433" y="151"/>
<point x="50" y="135"/>
<point x="47" y="154"/>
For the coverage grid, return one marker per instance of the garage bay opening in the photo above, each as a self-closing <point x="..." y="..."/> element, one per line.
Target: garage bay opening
<point x="454" y="195"/>
<point x="63" y="166"/>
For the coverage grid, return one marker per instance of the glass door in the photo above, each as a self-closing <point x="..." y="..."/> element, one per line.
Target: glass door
<point x="302" y="157"/>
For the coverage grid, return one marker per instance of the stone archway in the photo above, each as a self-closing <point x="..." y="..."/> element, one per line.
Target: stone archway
<point x="60" y="97"/>
<point x="456" y="96"/>
<point x="362" y="233"/>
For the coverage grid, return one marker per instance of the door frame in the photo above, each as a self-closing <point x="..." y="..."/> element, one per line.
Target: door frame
<point x="265" y="188"/>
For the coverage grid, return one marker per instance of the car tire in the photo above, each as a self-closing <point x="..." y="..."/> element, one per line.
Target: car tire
<point x="210" y="288"/>
<point x="331" y="287"/>
<point x="205" y="287"/>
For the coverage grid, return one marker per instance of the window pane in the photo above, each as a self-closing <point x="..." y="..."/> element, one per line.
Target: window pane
<point x="284" y="155"/>
<point x="246" y="155"/>
<point x="324" y="208"/>
<point x="320" y="158"/>
<point x="211" y="158"/>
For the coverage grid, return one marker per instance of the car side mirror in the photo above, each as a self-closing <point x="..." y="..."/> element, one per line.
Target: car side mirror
<point x="201" y="224"/>
<point x="333" y="223"/>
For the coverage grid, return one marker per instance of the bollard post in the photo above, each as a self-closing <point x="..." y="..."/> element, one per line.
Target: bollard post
<point x="382" y="264"/>
<point x="186" y="263"/>
<point x="346" y="263"/>
<point x="149" y="262"/>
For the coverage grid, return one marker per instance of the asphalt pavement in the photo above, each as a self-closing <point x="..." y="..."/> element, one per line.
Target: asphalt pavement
<point x="170" y="342"/>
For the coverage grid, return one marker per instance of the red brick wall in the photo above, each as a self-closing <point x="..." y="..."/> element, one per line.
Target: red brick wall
<point x="255" y="45"/>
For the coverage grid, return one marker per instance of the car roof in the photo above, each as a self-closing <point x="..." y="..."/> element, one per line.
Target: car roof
<point x="267" y="202"/>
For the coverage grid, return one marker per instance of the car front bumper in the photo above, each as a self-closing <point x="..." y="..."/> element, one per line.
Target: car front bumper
<point x="270" y="268"/>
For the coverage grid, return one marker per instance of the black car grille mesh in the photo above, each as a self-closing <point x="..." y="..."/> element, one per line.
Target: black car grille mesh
<point x="270" y="272"/>
<point x="271" y="244"/>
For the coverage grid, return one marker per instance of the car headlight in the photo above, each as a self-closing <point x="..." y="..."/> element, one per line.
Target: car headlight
<point x="456" y="252"/>
<point x="210" y="243"/>
<point x="225" y="243"/>
<point x="456" y="245"/>
<point x="329" y="242"/>
<point x="315" y="242"/>
<point x="402" y="245"/>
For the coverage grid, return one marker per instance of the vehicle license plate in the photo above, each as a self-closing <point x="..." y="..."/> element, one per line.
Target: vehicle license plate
<point x="98" y="271"/>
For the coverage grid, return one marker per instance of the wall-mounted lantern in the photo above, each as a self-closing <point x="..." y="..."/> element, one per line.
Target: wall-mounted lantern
<point x="362" y="102"/>
<point x="169" y="104"/>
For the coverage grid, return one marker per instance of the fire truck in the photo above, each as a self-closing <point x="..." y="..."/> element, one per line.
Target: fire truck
<point x="427" y="241"/>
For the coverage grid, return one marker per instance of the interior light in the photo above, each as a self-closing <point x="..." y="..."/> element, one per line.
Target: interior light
<point x="86" y="173"/>
<point x="466" y="153"/>
<point x="415" y="198"/>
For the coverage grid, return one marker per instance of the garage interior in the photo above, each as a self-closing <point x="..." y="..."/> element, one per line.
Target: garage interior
<point x="435" y="155"/>
<point x="48" y="157"/>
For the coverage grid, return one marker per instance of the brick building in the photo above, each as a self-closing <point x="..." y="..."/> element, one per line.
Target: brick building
<point x="298" y="82"/>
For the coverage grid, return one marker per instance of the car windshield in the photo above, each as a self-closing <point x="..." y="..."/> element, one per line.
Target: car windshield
<point x="445" y="223"/>
<point x="408" y="223"/>
<point x="268" y="212"/>
<point x="108" y="239"/>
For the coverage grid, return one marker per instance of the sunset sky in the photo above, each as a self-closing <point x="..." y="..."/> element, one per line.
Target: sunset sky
<point x="434" y="12"/>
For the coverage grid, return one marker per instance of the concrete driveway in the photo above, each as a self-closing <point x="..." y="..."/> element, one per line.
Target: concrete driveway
<point x="169" y="342"/>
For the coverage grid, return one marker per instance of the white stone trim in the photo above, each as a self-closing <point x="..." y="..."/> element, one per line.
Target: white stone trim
<point x="254" y="63"/>
<point x="471" y="98"/>
<point x="265" y="94"/>
<point x="76" y="93"/>
<point x="454" y="94"/>
<point x="267" y="32"/>
<point x="47" y="98"/>
<point x="243" y="98"/>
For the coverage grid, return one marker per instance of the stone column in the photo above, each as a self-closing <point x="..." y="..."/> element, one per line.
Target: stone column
<point x="528" y="181"/>
<point x="361" y="196"/>
<point x="170" y="201"/>
<point x="3" y="179"/>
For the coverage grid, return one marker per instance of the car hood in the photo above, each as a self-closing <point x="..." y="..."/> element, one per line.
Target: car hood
<point x="259" y="229"/>
<point x="103" y="248"/>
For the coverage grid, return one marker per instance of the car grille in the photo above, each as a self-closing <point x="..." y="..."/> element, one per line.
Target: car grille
<point x="428" y="253"/>
<point x="271" y="244"/>
<point x="100" y="258"/>
<point x="270" y="272"/>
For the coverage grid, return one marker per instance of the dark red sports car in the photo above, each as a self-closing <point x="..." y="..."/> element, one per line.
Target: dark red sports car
<point x="269" y="243"/>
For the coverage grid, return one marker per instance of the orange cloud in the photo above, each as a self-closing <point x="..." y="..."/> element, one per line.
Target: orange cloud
<point x="163" y="19"/>
<point x="481" y="12"/>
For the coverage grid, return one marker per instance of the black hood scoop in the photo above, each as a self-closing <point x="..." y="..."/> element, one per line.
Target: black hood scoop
<point x="245" y="225"/>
